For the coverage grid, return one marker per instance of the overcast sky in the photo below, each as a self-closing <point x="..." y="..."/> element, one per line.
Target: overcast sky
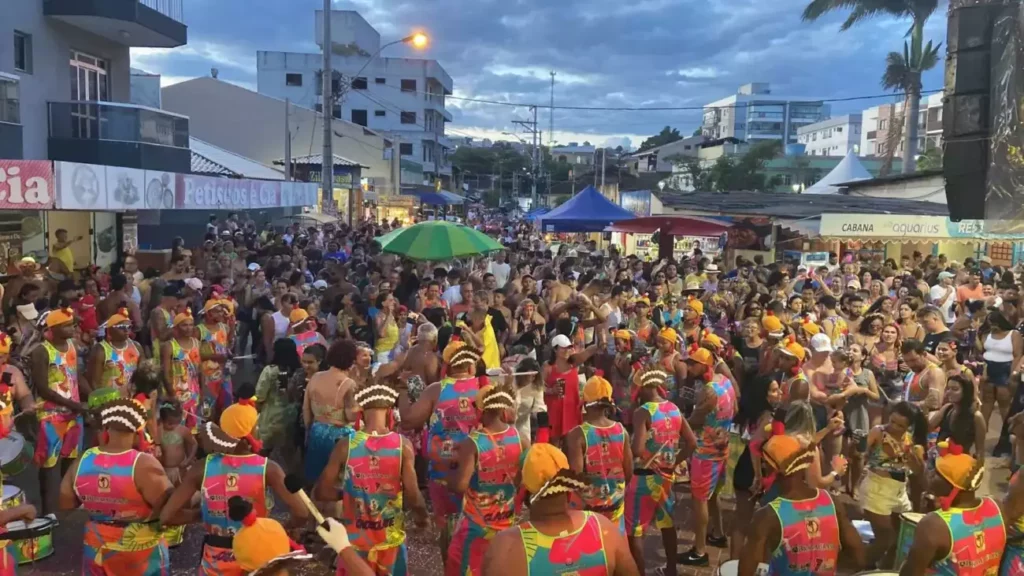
<point x="635" y="53"/>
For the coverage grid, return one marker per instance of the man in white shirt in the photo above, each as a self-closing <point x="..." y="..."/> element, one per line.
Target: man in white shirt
<point x="453" y="295"/>
<point x="612" y="310"/>
<point x="943" y="296"/>
<point x="500" y="269"/>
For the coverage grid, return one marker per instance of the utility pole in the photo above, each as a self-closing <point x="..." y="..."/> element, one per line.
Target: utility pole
<point x="288" y="141"/>
<point x="327" y="163"/>
<point x="604" y="156"/>
<point x="531" y="128"/>
<point x="551" y="118"/>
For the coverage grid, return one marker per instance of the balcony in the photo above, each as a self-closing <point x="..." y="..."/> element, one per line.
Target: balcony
<point x="119" y="134"/>
<point x="133" y="23"/>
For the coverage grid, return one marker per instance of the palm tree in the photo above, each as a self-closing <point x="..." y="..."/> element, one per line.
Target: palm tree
<point x="918" y="11"/>
<point x="904" y="77"/>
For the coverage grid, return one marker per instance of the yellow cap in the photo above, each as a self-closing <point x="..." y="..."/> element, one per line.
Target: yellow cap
<point x="120" y="317"/>
<point x="712" y="339"/>
<point x="185" y="316"/>
<point x="59" y="316"/>
<point x="298" y="316"/>
<point x="5" y="343"/>
<point x="543" y="462"/>
<point x="702" y="356"/>
<point x="597" y="389"/>
<point x="239" y="420"/>
<point x="957" y="467"/>
<point x="810" y="328"/>
<point x="793" y="349"/>
<point x="695" y="305"/>
<point x="669" y="334"/>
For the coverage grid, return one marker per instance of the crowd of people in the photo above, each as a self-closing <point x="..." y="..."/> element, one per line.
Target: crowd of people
<point x="540" y="408"/>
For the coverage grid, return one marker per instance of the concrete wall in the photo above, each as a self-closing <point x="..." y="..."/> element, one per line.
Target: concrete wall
<point x="52" y="43"/>
<point x="252" y="125"/>
<point x="145" y="89"/>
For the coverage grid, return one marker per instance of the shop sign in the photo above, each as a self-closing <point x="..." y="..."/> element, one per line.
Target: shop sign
<point x="638" y="202"/>
<point x="867" y="226"/>
<point x="26" y="184"/>
<point x="210" y="193"/>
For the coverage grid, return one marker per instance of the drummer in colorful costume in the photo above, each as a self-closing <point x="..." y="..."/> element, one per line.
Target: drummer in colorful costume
<point x="966" y="535"/>
<point x="599" y="450"/>
<point x="122" y="490"/>
<point x="114" y="360"/>
<point x="489" y="461"/>
<point x="449" y="408"/>
<point x="181" y="365"/>
<point x="13" y="389"/>
<point x="375" y="469"/>
<point x="668" y="360"/>
<point x="303" y="331"/>
<point x="262" y="545"/>
<point x="235" y="469"/>
<point x="161" y="319"/>
<point x="558" y="539"/>
<point x="215" y="351"/>
<point x="54" y="367"/>
<point x="802" y="531"/>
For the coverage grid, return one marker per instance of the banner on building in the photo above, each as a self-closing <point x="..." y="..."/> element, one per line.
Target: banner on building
<point x="897" y="227"/>
<point x="112" y="188"/>
<point x="26" y="184"/>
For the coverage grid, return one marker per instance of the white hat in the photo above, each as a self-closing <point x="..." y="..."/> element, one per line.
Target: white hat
<point x="572" y="254"/>
<point x="711" y="269"/>
<point x="194" y="283"/>
<point x="320" y="285"/>
<point x="986" y="260"/>
<point x="254" y="267"/>
<point x="821" y="343"/>
<point x="28" y="311"/>
<point x="561" y="341"/>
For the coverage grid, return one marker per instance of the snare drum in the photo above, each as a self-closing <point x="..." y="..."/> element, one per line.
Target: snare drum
<point x="12" y="497"/>
<point x="908" y="525"/>
<point x="732" y="568"/>
<point x="15" y="455"/>
<point x="36" y="547"/>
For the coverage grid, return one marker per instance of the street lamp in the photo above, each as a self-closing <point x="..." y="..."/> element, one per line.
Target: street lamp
<point x="417" y="40"/>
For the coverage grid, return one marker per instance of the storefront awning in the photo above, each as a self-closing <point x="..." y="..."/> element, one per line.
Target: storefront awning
<point x="674" y="225"/>
<point x="904" y="228"/>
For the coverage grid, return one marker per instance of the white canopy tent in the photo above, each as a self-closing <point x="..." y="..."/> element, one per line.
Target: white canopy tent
<point x="848" y="170"/>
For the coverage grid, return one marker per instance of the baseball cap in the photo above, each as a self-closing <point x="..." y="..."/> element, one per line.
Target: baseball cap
<point x="28" y="311"/>
<point x="254" y="267"/>
<point x="561" y="341"/>
<point x="946" y="275"/>
<point x="320" y="285"/>
<point x="821" y="343"/>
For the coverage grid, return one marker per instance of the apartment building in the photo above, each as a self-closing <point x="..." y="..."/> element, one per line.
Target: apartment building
<point x="401" y="97"/>
<point x="659" y="158"/>
<point x="833" y="137"/>
<point x="574" y="153"/>
<point x="878" y="126"/>
<point x="754" y="113"/>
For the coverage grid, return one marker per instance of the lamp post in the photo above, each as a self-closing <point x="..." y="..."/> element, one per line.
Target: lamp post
<point x="418" y="40"/>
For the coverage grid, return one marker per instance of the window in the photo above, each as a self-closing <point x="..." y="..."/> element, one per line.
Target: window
<point x="839" y="129"/>
<point x="337" y="111"/>
<point x="408" y="85"/>
<point x="293" y="79"/>
<point x="22" y="52"/>
<point x="379" y="113"/>
<point x="379" y="81"/>
<point x="319" y="107"/>
<point x="883" y="124"/>
<point x="359" y="117"/>
<point x="359" y="83"/>
<point x="408" y="117"/>
<point x="405" y="149"/>
<point x="9" y="109"/>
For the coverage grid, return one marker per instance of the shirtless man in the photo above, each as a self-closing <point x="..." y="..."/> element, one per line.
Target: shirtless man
<point x="421" y="361"/>
<point x="926" y="382"/>
<point x="120" y="297"/>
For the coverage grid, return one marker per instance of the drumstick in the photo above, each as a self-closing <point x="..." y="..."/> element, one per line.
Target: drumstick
<point x="655" y="456"/>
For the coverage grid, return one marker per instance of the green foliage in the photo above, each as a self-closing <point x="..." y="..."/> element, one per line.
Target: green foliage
<point x="666" y="136"/>
<point x="491" y="198"/>
<point x="732" y="173"/>
<point x="930" y="160"/>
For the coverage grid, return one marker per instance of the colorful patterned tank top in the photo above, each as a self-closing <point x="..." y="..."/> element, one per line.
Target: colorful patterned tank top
<point x="893" y="459"/>
<point x="810" y="536"/>
<point x="372" y="500"/>
<point x="489" y="501"/>
<point x="662" y="438"/>
<point x="713" y="437"/>
<point x="119" y="365"/>
<point x="454" y="416"/>
<point x="62" y="378"/>
<point x="978" y="536"/>
<point x="580" y="553"/>
<point x="186" y="369"/>
<point x="168" y="319"/>
<point x="672" y="388"/>
<point x="603" y="449"/>
<point x="216" y="341"/>
<point x="229" y="475"/>
<point x="105" y="484"/>
<point x="305" y="340"/>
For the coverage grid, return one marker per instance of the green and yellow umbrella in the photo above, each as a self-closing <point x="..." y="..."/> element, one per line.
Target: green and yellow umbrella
<point x="438" y="241"/>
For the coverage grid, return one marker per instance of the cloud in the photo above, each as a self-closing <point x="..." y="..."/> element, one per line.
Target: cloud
<point x="606" y="53"/>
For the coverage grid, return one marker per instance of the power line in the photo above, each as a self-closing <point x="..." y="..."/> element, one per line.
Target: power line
<point x="659" y="108"/>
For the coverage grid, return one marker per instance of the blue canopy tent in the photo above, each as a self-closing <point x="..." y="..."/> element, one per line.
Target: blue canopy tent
<point x="428" y="195"/>
<point x="588" y="211"/>
<point x="536" y="213"/>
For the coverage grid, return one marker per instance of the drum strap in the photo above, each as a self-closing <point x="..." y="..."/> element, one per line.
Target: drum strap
<point x="218" y="541"/>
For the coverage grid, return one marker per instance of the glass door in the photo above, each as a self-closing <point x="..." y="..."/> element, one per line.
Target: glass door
<point x="89" y="83"/>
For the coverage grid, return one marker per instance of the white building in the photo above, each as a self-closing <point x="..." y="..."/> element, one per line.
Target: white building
<point x="878" y="125"/>
<point x="574" y="154"/>
<point x="832" y="137"/>
<point x="402" y="97"/>
<point x="754" y="113"/>
<point x="659" y="158"/>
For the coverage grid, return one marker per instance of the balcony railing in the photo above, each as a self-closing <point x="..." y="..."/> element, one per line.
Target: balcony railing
<point x="173" y="9"/>
<point x="114" y="121"/>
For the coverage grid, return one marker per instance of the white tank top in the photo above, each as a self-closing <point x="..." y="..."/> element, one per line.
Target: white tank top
<point x="999" y="349"/>
<point x="280" y="325"/>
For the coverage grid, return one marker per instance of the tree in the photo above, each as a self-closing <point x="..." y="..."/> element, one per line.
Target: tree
<point x="900" y="76"/>
<point x="918" y="11"/>
<point x="697" y="131"/>
<point x="732" y="173"/>
<point x="696" y="172"/>
<point x="930" y="160"/>
<point x="666" y="136"/>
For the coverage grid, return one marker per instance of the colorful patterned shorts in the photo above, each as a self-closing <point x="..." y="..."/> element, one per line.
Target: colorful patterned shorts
<point x="649" y="501"/>
<point x="59" y="438"/>
<point x="706" y="477"/>
<point x="467" y="549"/>
<point x="389" y="561"/>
